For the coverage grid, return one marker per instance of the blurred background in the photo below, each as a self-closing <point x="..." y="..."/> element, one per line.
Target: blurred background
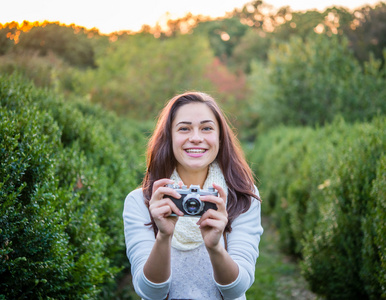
<point x="303" y="84"/>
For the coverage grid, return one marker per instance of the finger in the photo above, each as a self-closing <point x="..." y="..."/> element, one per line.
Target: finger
<point x="174" y="207"/>
<point x="160" y="183"/>
<point x="166" y="191"/>
<point x="180" y="184"/>
<point x="163" y="192"/>
<point x="216" y="200"/>
<point x="221" y="192"/>
<point x="212" y="223"/>
<point x="166" y="202"/>
<point x="161" y="211"/>
<point x="214" y="215"/>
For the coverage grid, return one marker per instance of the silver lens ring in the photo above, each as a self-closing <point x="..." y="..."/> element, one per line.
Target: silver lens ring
<point x="192" y="204"/>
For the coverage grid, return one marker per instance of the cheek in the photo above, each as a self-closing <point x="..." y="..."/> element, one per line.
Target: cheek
<point x="215" y="142"/>
<point x="177" y="144"/>
<point x="175" y="140"/>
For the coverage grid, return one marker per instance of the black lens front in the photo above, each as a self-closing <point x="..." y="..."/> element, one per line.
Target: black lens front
<point x="192" y="206"/>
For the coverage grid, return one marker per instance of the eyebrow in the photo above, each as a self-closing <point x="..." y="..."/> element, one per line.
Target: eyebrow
<point x="190" y="123"/>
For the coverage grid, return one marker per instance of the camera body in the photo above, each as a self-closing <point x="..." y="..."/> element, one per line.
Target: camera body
<point x="190" y="203"/>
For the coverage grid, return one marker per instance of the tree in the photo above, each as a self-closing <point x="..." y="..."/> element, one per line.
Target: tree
<point x="138" y="73"/>
<point x="253" y="45"/>
<point x="367" y="33"/>
<point x="9" y="33"/>
<point x="308" y="83"/>
<point x="223" y="34"/>
<point x="76" y="49"/>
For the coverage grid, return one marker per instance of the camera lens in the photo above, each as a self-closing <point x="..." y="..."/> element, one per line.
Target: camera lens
<point x="192" y="206"/>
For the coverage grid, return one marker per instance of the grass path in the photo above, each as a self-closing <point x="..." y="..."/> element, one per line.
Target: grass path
<point x="277" y="276"/>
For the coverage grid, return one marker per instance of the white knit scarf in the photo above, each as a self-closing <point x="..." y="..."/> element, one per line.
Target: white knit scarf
<point x="187" y="234"/>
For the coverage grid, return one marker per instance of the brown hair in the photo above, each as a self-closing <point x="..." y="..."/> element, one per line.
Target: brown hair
<point x="161" y="161"/>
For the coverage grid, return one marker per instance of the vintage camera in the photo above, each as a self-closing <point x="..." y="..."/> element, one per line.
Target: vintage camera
<point x="190" y="203"/>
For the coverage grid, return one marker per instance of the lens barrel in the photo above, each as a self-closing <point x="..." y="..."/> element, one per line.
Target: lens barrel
<point x="192" y="204"/>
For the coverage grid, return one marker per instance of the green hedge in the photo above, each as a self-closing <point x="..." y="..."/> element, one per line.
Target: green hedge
<point x="66" y="167"/>
<point x="325" y="188"/>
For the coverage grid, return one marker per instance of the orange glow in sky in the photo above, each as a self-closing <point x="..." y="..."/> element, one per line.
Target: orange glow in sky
<point x="115" y="15"/>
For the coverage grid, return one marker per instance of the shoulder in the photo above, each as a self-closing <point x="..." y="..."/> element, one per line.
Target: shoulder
<point x="137" y="193"/>
<point x="255" y="202"/>
<point x="256" y="191"/>
<point x="135" y="211"/>
<point x="135" y="198"/>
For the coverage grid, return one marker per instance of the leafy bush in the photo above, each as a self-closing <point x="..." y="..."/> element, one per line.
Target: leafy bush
<point x="41" y="70"/>
<point x="66" y="167"/>
<point x="309" y="83"/>
<point x="33" y="241"/>
<point x="324" y="188"/>
<point x="375" y="233"/>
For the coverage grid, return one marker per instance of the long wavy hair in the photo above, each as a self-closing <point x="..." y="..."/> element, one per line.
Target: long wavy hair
<point x="161" y="161"/>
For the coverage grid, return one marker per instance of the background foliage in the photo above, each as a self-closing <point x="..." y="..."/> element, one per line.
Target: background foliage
<point x="304" y="89"/>
<point x="309" y="82"/>
<point x="322" y="196"/>
<point x="65" y="167"/>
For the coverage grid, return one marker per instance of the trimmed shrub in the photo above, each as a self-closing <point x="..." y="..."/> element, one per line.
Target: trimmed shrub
<point x="340" y="241"/>
<point x="326" y="188"/>
<point x="33" y="242"/>
<point x="375" y="235"/>
<point x="66" y="167"/>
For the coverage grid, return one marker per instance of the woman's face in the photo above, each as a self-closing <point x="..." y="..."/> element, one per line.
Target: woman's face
<point x="195" y="137"/>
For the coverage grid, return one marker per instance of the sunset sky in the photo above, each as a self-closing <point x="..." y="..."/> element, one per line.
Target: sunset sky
<point x="115" y="15"/>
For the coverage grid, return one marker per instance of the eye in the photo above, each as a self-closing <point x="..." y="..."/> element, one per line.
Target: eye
<point x="183" y="128"/>
<point x="207" y="128"/>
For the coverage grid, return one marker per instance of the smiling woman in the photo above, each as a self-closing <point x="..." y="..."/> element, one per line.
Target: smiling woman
<point x="207" y="257"/>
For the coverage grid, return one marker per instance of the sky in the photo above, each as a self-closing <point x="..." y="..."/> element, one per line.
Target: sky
<point x="114" y="15"/>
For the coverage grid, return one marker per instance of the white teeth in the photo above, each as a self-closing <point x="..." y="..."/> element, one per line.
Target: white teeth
<point x="195" y="150"/>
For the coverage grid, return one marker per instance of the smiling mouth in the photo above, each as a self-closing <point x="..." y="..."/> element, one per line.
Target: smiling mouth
<point x="196" y="151"/>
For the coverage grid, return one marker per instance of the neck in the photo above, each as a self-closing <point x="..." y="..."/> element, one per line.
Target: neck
<point x="196" y="178"/>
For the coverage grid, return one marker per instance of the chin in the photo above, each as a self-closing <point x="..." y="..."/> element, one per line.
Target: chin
<point x="196" y="168"/>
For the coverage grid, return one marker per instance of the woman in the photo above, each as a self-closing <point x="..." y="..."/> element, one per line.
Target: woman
<point x="178" y="257"/>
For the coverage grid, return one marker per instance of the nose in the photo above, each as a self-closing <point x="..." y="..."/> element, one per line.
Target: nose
<point x="195" y="137"/>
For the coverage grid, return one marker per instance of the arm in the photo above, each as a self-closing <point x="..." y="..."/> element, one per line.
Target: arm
<point x="234" y="270"/>
<point x="149" y="256"/>
<point x="139" y="243"/>
<point x="225" y="270"/>
<point x="212" y="225"/>
<point x="157" y="267"/>
<point x="243" y="248"/>
<point x="144" y="251"/>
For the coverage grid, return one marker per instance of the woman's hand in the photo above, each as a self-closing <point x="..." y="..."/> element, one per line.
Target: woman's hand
<point x="160" y="208"/>
<point x="212" y="223"/>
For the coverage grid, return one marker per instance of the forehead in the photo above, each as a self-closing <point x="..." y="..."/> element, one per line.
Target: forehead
<point x="194" y="112"/>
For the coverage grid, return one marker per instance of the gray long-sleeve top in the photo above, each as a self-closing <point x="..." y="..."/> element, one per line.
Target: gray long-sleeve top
<point x="242" y="246"/>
